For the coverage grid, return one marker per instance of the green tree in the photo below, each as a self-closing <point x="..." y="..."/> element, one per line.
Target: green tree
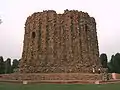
<point x="2" y="67"/>
<point x="15" y="65"/>
<point x="8" y="66"/>
<point x="116" y="62"/>
<point x="103" y="60"/>
<point x="111" y="65"/>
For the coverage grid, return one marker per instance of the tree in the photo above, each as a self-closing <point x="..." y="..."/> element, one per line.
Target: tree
<point x="103" y="60"/>
<point x="111" y="65"/>
<point x="8" y="66"/>
<point x="15" y="65"/>
<point x="2" y="67"/>
<point x="116" y="62"/>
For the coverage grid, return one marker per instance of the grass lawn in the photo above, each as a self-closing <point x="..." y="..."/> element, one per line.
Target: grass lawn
<point x="6" y="86"/>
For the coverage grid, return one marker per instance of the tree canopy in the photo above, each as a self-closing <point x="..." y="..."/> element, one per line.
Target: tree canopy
<point x="2" y="67"/>
<point x="8" y="66"/>
<point x="116" y="62"/>
<point x="15" y="65"/>
<point x="103" y="59"/>
<point x="111" y="66"/>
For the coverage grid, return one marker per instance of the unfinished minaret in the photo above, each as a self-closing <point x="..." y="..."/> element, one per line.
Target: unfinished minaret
<point x="60" y="43"/>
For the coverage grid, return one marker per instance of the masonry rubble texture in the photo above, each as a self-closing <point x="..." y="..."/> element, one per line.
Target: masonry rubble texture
<point x="52" y="76"/>
<point x="60" y="43"/>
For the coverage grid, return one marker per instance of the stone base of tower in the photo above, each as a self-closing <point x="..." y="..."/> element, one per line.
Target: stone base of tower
<point x="53" y="76"/>
<point x="64" y="69"/>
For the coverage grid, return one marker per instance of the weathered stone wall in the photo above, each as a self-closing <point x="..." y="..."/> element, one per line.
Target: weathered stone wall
<point x="60" y="43"/>
<point x="52" y="76"/>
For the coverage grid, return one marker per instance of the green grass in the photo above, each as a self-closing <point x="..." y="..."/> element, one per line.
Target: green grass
<point x="5" y="86"/>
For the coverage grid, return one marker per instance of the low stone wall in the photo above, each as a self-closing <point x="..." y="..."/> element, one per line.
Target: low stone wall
<point x="51" y="76"/>
<point x="115" y="76"/>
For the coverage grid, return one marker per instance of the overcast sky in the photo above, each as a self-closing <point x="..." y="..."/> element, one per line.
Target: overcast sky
<point x="15" y="12"/>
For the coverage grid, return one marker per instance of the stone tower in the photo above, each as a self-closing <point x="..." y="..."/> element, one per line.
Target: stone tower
<point x="60" y="43"/>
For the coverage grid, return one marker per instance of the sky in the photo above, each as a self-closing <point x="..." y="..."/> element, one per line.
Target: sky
<point x="14" y="13"/>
